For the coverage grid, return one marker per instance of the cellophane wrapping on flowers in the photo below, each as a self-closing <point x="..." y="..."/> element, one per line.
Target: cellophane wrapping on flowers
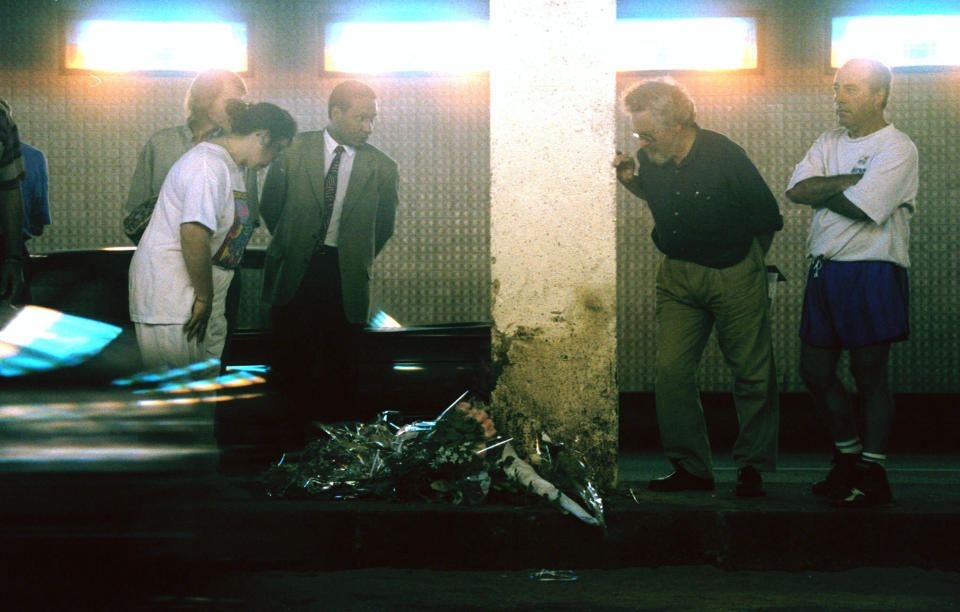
<point x="454" y="458"/>
<point x="561" y="476"/>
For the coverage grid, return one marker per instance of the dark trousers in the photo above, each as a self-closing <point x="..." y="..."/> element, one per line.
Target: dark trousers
<point x="23" y="296"/>
<point x="315" y="348"/>
<point x="232" y="310"/>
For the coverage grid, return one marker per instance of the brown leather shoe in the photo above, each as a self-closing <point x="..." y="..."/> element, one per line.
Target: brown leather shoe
<point x="681" y="480"/>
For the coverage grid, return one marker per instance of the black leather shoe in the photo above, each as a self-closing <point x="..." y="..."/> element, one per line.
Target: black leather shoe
<point x="681" y="480"/>
<point x="749" y="483"/>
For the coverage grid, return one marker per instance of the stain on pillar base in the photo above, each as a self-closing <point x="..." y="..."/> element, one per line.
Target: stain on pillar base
<point x="561" y="380"/>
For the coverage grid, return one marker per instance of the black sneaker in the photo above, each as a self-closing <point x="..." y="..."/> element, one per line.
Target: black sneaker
<point x="839" y="481"/>
<point x="749" y="483"/>
<point x="870" y="487"/>
<point x="681" y="480"/>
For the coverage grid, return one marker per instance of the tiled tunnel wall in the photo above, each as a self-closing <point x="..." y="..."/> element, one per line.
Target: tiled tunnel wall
<point x="436" y="268"/>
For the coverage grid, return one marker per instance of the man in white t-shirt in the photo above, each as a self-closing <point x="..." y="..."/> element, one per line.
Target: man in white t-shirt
<point x="861" y="180"/>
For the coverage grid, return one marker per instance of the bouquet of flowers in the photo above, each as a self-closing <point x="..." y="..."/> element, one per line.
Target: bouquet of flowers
<point x="442" y="460"/>
<point x="453" y="458"/>
<point x="562" y="477"/>
<point x="352" y="461"/>
<point x="448" y="459"/>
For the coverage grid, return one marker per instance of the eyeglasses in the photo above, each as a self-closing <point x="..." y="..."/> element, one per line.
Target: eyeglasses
<point x="649" y="136"/>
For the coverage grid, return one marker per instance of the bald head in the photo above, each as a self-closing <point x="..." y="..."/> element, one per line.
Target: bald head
<point x="860" y="91"/>
<point x="876" y="74"/>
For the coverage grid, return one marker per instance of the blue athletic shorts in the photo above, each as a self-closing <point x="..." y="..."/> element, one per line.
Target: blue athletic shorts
<point x="849" y="304"/>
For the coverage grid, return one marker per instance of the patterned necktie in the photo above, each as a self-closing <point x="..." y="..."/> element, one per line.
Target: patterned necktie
<point x="329" y="195"/>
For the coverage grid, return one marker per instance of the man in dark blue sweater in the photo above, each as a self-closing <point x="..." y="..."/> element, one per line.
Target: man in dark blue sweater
<point x="714" y="220"/>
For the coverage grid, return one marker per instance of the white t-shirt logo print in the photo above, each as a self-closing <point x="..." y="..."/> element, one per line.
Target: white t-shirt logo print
<point x="861" y="165"/>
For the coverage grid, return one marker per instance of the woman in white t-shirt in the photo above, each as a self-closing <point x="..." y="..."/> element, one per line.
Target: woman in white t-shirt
<point x="199" y="229"/>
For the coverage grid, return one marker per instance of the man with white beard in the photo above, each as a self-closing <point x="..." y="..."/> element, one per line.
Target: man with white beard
<point x="714" y="220"/>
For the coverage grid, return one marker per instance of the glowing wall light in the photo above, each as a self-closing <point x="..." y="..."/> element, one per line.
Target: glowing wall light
<point x="447" y="47"/>
<point x="897" y="40"/>
<point x="112" y="45"/>
<point x="708" y="43"/>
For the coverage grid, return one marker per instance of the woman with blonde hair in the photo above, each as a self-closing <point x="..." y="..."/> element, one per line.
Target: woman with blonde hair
<point x="205" y="106"/>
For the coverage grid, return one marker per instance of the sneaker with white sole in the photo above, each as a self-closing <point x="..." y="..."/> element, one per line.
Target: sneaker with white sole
<point x="840" y="480"/>
<point x="870" y="487"/>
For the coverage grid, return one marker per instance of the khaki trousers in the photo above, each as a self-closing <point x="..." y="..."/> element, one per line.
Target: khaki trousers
<point x="690" y="299"/>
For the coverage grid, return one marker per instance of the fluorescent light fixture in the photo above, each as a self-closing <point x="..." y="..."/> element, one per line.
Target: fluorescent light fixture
<point x="707" y="43"/>
<point x="897" y="40"/>
<point x="445" y="47"/>
<point x="116" y="45"/>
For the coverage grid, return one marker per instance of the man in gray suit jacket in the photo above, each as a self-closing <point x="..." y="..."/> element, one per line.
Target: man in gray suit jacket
<point x="329" y="202"/>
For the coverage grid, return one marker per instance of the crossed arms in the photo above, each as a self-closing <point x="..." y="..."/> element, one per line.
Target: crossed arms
<point x="827" y="192"/>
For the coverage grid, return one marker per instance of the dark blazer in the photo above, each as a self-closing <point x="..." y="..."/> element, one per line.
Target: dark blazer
<point x="290" y="205"/>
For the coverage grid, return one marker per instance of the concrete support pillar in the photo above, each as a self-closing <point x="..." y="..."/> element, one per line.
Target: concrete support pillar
<point x="552" y="224"/>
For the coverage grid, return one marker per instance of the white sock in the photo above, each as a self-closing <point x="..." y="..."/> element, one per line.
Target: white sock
<point x="877" y="458"/>
<point x="849" y="447"/>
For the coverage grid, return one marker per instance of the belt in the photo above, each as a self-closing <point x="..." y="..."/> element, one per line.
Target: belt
<point x="323" y="249"/>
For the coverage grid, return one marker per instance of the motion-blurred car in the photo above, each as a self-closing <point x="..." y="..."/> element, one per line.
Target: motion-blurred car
<point x="413" y="370"/>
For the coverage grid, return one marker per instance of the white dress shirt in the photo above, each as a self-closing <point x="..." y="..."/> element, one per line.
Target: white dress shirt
<point x="343" y="179"/>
